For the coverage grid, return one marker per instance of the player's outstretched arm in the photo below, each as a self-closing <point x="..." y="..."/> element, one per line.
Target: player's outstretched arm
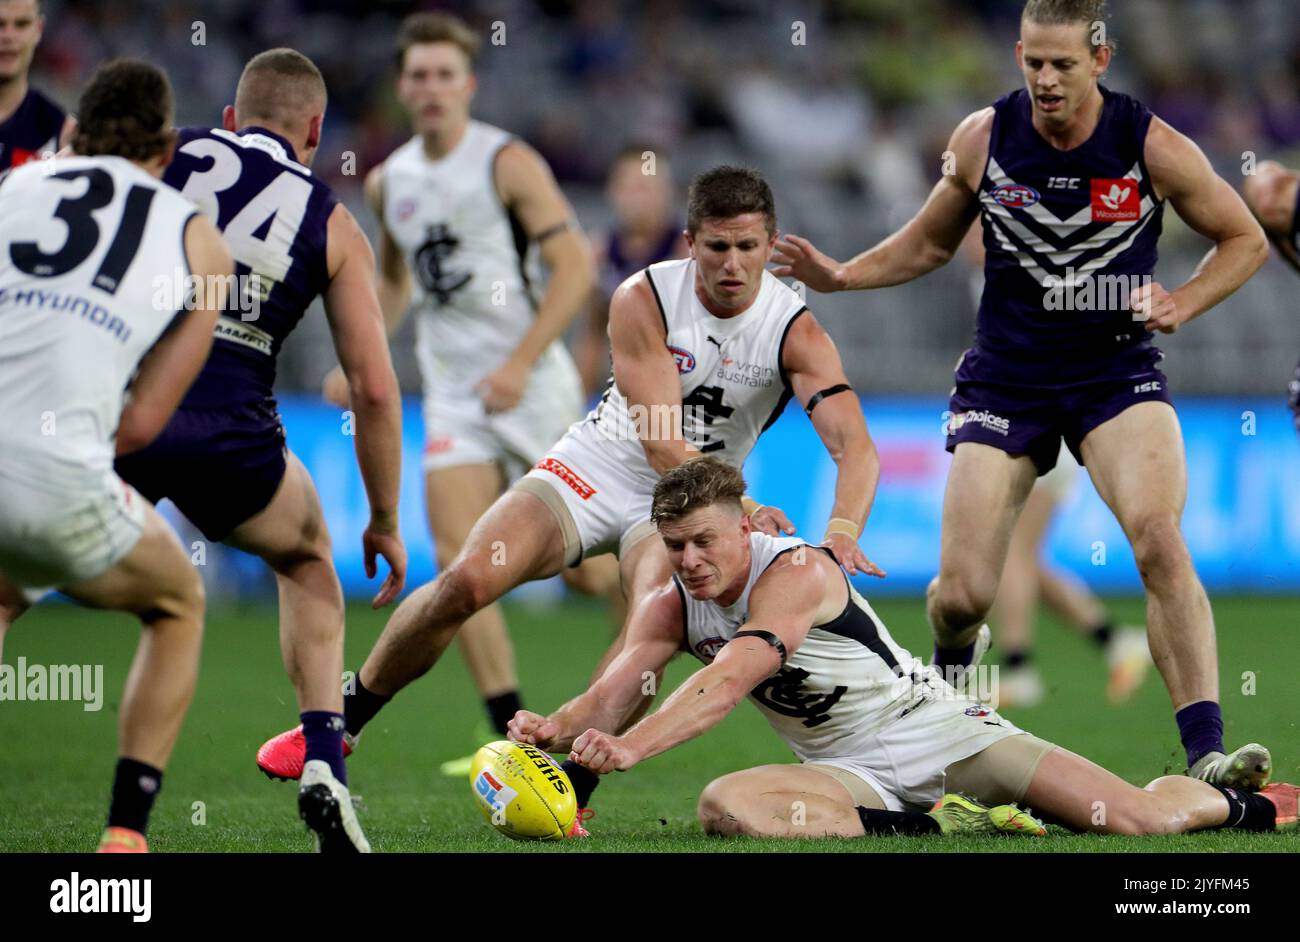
<point x="928" y="241"/>
<point x="783" y="605"/>
<point x="358" y="329"/>
<point x="1181" y="173"/>
<point x="654" y="635"/>
<point x="170" y="368"/>
<point x="1270" y="193"/>
<point x="528" y="187"/>
<point x="817" y="376"/>
<point x="646" y="373"/>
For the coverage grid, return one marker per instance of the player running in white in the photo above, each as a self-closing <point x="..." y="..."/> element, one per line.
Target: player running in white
<point x="222" y="459"/>
<point x="1071" y="180"/>
<point x="707" y="352"/>
<point x="83" y="241"/>
<point x="460" y="207"/>
<point x="879" y="736"/>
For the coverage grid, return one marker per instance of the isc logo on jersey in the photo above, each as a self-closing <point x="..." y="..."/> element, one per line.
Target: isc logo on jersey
<point x="522" y="792"/>
<point x="1115" y="201"/>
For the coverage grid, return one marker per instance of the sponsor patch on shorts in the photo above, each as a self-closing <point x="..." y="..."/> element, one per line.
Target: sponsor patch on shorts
<point x="567" y="475"/>
<point x="981" y="417"/>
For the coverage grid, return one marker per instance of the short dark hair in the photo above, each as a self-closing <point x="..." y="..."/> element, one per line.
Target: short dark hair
<point x="699" y="482"/>
<point x="281" y="86"/>
<point x="420" y="28"/>
<point x="728" y="191"/>
<point x="1060" y="12"/>
<point x="125" y="111"/>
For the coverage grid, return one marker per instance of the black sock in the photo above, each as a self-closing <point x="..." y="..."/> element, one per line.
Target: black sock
<point x="1247" y="811"/>
<point x="584" y="781"/>
<point x="502" y="709"/>
<point x="1018" y="658"/>
<point x="1101" y="633"/>
<point x="877" y="821"/>
<point x="135" y="785"/>
<point x="360" y="705"/>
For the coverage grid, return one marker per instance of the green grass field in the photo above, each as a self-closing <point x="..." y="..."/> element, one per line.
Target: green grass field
<point x="58" y="759"/>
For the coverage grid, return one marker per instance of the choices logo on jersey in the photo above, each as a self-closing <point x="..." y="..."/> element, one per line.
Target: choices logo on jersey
<point x="566" y="474"/>
<point x="1115" y="200"/>
<point x="493" y="793"/>
<point x="684" y="359"/>
<point x="1015" y="195"/>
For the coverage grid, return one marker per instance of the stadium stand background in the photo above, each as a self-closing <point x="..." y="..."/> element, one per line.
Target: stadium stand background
<point x="849" y="127"/>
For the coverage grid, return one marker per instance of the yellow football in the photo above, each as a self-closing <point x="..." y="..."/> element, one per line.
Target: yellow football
<point x="522" y="791"/>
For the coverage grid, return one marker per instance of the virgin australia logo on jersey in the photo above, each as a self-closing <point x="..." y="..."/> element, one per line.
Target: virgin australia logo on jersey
<point x="1015" y="195"/>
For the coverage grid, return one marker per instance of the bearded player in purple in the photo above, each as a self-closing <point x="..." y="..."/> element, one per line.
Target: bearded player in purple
<point x="222" y="459"/>
<point x="1071" y="180"/>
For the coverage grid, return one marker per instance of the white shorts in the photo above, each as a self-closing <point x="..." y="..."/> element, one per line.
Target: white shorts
<point x="458" y="430"/>
<point x="607" y="502"/>
<point x="1061" y="481"/>
<point x="904" y="764"/>
<point x="55" y="537"/>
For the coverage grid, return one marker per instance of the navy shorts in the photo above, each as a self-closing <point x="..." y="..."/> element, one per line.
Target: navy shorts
<point x="218" y="466"/>
<point x="1032" y="421"/>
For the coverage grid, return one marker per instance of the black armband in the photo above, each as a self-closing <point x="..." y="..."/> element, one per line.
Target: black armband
<point x="767" y="636"/>
<point x="826" y="393"/>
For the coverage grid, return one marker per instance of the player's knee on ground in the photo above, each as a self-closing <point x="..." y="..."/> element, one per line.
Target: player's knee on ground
<point x="719" y="810"/>
<point x="1158" y="546"/>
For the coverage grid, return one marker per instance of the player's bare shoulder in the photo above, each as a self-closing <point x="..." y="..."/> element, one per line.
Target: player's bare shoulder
<point x="969" y="148"/>
<point x="634" y="304"/>
<point x="374" y="189"/>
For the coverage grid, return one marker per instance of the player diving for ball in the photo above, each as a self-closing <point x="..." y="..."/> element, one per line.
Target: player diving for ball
<point x="879" y="736"/>
<point x="1071" y="180"/>
<point x="82" y="242"/>
<point x="707" y="352"/>
<point x="222" y="459"/>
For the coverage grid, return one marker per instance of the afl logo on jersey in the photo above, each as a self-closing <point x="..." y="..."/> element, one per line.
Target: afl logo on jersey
<point x="684" y="358"/>
<point x="1015" y="195"/>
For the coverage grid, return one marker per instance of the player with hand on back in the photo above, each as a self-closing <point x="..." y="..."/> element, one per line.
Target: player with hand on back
<point x="707" y="351"/>
<point x="83" y="240"/>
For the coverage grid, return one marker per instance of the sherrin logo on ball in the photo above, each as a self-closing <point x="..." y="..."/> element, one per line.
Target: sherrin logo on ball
<point x="522" y="791"/>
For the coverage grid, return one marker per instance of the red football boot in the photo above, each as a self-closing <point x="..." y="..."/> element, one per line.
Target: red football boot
<point x="126" y="841"/>
<point x="282" y="756"/>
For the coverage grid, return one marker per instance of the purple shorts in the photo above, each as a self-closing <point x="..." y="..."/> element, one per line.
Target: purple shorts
<point x="218" y="466"/>
<point x="1031" y="421"/>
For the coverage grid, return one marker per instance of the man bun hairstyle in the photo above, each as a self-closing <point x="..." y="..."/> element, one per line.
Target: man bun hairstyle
<point x="728" y="191"/>
<point x="125" y="111"/>
<point x="699" y="482"/>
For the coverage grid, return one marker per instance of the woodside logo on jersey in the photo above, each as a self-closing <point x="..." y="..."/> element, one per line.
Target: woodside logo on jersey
<point x="1115" y="201"/>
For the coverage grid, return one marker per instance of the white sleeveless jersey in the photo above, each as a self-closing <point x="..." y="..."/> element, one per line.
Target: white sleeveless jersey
<point x="845" y="683"/>
<point x="733" y="383"/>
<point x="91" y="253"/>
<point x="467" y="254"/>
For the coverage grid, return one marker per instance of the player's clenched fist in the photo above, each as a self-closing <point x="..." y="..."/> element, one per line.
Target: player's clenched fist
<point x="532" y="728"/>
<point x="1155" y="306"/>
<point x="602" y="752"/>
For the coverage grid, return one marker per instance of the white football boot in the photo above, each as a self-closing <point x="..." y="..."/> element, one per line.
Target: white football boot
<point x="325" y="804"/>
<point x="1247" y="768"/>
